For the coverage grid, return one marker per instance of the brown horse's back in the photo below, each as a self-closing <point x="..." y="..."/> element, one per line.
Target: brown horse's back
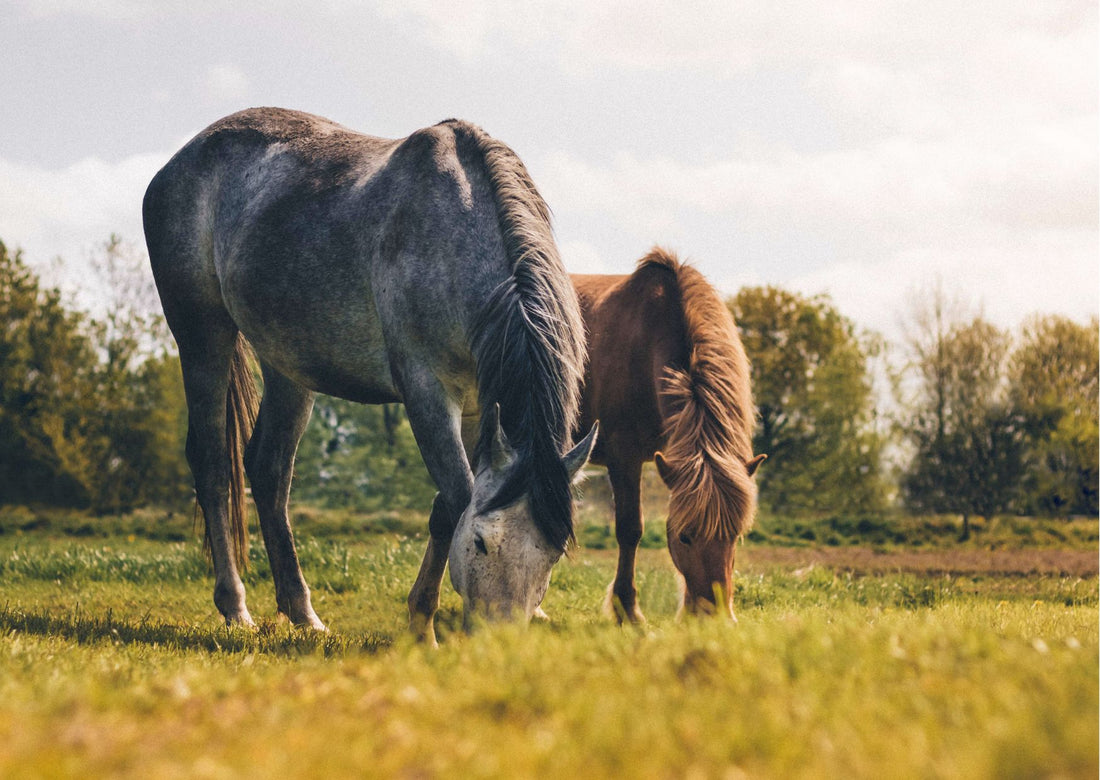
<point x="635" y="327"/>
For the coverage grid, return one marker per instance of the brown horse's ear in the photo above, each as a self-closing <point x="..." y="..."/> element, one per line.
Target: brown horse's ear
<point x="663" y="468"/>
<point x="753" y="464"/>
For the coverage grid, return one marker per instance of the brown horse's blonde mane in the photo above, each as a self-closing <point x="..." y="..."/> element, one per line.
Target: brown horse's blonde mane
<point x="708" y="437"/>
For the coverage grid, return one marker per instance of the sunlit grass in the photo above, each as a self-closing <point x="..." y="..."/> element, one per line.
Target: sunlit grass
<point x="113" y="662"/>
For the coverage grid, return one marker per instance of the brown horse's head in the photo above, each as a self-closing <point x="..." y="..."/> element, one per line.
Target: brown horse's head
<point x="709" y="509"/>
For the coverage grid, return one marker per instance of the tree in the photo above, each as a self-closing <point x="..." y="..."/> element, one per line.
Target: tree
<point x="968" y="438"/>
<point x="1054" y="375"/>
<point x="363" y="457"/>
<point x="92" y="412"/>
<point x="139" y="415"/>
<point x="814" y="393"/>
<point x="47" y="364"/>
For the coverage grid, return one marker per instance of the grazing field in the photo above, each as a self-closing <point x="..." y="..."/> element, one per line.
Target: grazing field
<point x="849" y="660"/>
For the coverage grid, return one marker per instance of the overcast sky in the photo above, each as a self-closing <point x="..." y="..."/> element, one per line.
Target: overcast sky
<point x="862" y="149"/>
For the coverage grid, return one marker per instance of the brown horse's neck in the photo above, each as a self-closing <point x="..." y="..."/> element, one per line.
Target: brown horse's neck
<point x="635" y="331"/>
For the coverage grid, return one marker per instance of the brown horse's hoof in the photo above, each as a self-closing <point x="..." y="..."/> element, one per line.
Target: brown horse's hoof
<point x="622" y="613"/>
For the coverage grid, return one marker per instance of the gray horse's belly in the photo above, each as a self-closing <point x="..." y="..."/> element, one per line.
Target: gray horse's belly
<point x="322" y="342"/>
<point x="352" y="366"/>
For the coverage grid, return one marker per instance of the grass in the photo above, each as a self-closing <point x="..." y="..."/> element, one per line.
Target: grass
<point x="114" y="663"/>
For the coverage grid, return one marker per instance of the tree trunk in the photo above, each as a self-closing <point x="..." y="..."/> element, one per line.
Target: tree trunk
<point x="966" y="527"/>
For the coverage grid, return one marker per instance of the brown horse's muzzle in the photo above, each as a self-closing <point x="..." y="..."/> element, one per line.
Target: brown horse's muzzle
<point x="707" y="569"/>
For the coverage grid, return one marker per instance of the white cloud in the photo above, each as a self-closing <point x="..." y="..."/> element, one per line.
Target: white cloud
<point x="728" y="38"/>
<point x="1003" y="78"/>
<point x="108" y="9"/>
<point x="1007" y="216"/>
<point x="944" y="138"/>
<point x="580" y="257"/>
<point x="459" y="28"/>
<point x="120" y="11"/>
<point x="225" y="81"/>
<point x="68" y="212"/>
<point x="1006" y="277"/>
<point x="886" y="192"/>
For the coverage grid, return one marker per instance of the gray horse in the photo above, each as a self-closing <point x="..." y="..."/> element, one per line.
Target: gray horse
<point x="420" y="270"/>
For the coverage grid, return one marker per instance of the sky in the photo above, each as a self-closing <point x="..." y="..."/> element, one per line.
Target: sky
<point x="863" y="149"/>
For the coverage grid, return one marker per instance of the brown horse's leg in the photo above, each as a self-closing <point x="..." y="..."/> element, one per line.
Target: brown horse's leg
<point x="424" y="596"/>
<point x="626" y="487"/>
<point x="205" y="360"/>
<point x="284" y="414"/>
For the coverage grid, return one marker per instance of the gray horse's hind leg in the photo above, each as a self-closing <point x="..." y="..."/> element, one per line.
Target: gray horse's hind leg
<point x="205" y="356"/>
<point x="424" y="596"/>
<point x="269" y="462"/>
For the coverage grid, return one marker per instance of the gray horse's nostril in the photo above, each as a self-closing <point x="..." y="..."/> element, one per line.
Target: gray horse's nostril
<point x="479" y="543"/>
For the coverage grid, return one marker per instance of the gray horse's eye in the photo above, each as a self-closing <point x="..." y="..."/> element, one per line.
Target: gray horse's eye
<point x="479" y="543"/>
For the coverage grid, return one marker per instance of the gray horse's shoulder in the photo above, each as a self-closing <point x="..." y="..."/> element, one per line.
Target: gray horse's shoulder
<point x="445" y="136"/>
<point x="435" y="153"/>
<point x="462" y="126"/>
<point x="430" y="142"/>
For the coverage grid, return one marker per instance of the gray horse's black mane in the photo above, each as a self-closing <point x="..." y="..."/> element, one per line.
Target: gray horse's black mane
<point x="529" y="344"/>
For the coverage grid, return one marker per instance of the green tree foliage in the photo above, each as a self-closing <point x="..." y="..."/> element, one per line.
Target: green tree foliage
<point x="47" y="370"/>
<point x="361" y="457"/>
<point x="91" y="412"/>
<point x="139" y="388"/>
<point x="813" y="389"/>
<point x="1054" y="375"/>
<point x="968" y="438"/>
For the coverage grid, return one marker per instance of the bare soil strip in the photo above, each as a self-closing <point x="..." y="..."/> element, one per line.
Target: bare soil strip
<point x="864" y="560"/>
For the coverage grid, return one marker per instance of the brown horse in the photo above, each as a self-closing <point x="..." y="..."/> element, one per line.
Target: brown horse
<point x="668" y="380"/>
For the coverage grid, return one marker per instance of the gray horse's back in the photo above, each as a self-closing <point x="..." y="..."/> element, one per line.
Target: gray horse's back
<point x="320" y="243"/>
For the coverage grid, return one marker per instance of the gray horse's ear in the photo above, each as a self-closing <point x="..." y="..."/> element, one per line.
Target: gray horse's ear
<point x="575" y="459"/>
<point x="501" y="454"/>
<point x="754" y="464"/>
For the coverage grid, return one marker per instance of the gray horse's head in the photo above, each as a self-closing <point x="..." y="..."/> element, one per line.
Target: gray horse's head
<point x="500" y="561"/>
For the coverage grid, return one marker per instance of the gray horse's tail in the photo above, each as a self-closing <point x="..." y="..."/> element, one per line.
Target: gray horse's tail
<point x="242" y="403"/>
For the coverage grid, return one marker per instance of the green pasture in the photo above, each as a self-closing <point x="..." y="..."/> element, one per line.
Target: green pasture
<point x="113" y="662"/>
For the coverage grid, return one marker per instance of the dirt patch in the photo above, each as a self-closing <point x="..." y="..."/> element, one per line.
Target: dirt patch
<point x="863" y="560"/>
